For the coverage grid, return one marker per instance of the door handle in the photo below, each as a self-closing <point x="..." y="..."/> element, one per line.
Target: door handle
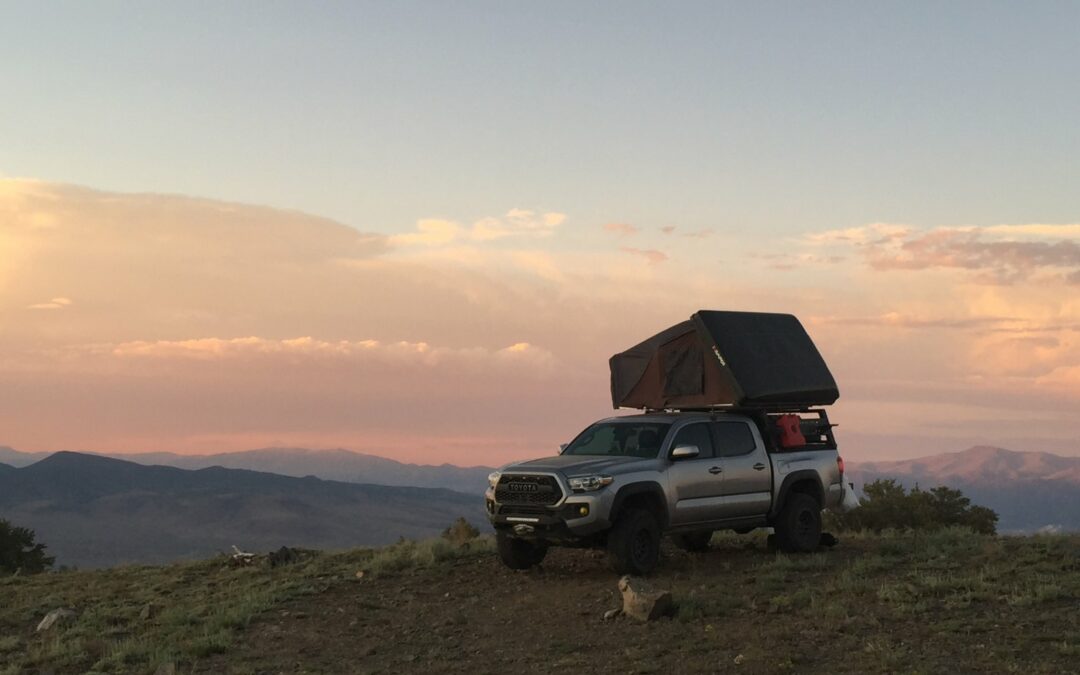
<point x="715" y="470"/>
<point x="759" y="467"/>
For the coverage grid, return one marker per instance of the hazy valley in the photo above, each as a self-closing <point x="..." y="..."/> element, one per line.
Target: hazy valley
<point x="98" y="511"/>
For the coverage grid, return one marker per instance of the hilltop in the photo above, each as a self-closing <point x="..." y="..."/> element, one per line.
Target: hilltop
<point x="936" y="602"/>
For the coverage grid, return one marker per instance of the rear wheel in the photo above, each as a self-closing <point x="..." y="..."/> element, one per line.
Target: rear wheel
<point x="519" y="554"/>
<point x="798" y="527"/>
<point x="634" y="543"/>
<point x="695" y="542"/>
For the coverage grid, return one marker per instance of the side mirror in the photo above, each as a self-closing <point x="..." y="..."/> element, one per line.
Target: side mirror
<point x="685" y="452"/>
<point x="563" y="447"/>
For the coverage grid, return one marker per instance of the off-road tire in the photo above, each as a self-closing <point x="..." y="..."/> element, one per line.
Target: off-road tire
<point x="633" y="543"/>
<point x="798" y="526"/>
<point x="519" y="554"/>
<point x="694" y="542"/>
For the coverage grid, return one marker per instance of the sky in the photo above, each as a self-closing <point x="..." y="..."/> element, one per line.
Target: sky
<point x="420" y="229"/>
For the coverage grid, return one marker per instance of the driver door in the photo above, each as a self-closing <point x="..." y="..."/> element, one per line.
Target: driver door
<point x="696" y="482"/>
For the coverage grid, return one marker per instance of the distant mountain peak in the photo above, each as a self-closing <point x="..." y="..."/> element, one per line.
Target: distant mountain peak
<point x="981" y="463"/>
<point x="71" y="459"/>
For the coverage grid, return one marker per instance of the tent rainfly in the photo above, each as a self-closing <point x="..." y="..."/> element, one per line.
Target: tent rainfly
<point x="743" y="359"/>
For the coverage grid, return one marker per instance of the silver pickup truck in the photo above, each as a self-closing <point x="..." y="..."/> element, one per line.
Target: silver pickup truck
<point x="626" y="481"/>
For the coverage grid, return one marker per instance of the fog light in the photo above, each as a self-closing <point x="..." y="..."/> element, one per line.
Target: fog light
<point x="583" y="511"/>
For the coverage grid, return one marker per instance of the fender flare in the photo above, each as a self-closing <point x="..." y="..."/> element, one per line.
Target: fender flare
<point x="803" y="475"/>
<point x="634" y="489"/>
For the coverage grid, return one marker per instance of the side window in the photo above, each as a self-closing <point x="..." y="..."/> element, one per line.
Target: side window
<point x="695" y="434"/>
<point x="733" y="439"/>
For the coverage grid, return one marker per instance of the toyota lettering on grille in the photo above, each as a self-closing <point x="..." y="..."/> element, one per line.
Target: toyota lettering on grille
<point x="523" y="487"/>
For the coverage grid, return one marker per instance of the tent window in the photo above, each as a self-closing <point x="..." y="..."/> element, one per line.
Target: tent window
<point x="682" y="370"/>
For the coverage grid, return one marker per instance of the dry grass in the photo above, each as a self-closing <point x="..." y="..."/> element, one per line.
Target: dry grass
<point x="894" y="602"/>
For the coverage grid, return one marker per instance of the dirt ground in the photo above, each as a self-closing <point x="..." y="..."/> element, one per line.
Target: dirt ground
<point x="965" y="605"/>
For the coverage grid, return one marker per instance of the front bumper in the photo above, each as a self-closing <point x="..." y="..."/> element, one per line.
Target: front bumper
<point x="561" y="522"/>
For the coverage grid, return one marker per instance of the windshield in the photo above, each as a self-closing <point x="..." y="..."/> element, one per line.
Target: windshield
<point x="625" y="439"/>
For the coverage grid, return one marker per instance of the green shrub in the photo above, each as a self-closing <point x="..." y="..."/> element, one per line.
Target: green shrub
<point x="460" y="531"/>
<point x="19" y="553"/>
<point x="887" y="505"/>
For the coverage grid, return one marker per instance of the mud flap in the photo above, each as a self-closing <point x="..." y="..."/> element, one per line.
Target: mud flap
<point x="850" y="500"/>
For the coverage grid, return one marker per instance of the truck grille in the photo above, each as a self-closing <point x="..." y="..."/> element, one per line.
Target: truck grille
<point x="525" y="489"/>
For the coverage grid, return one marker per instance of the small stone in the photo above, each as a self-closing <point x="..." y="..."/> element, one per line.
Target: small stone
<point x="56" y="617"/>
<point x="359" y="574"/>
<point x="611" y="614"/>
<point x="642" y="602"/>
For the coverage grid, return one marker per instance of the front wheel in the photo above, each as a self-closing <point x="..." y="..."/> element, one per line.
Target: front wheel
<point x="634" y="543"/>
<point x="798" y="527"/>
<point x="519" y="554"/>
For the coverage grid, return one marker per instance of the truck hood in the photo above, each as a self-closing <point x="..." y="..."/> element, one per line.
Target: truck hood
<point x="579" y="465"/>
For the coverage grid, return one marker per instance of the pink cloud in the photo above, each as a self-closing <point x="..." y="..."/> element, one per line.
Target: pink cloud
<point x="993" y="254"/>
<point x="651" y="255"/>
<point x="623" y="229"/>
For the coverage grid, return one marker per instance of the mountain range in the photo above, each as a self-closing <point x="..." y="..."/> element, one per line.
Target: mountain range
<point x="94" y="511"/>
<point x="337" y="464"/>
<point x="1029" y="490"/>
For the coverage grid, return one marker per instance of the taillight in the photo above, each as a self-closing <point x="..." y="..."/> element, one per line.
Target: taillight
<point x="840" y="464"/>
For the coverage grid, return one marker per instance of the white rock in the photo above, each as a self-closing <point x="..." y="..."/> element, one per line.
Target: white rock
<point x="643" y="602"/>
<point x="57" y="616"/>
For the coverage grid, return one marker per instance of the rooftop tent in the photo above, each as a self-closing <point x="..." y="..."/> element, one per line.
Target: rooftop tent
<point x="749" y="359"/>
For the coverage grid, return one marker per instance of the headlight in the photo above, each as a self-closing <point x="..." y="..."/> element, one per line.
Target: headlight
<point x="493" y="478"/>
<point x="589" y="483"/>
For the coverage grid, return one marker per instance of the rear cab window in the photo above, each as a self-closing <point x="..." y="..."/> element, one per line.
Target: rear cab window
<point x="733" y="438"/>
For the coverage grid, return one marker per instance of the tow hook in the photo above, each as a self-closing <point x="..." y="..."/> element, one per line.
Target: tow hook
<point x="523" y="529"/>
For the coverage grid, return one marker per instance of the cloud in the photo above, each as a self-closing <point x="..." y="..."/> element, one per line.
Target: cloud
<point x="515" y="223"/>
<point x="1037" y="230"/>
<point x="1001" y="254"/>
<point x="704" y="233"/>
<point x="899" y="320"/>
<point x="651" y="255"/>
<point x="55" y="303"/>
<point x="788" y="261"/>
<point x="622" y="229"/>
<point x="307" y="347"/>
<point x="429" y="232"/>
<point x="204" y="325"/>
